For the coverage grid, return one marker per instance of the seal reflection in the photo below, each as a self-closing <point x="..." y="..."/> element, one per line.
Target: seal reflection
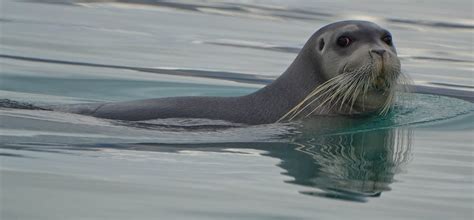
<point x="350" y="166"/>
<point x="338" y="157"/>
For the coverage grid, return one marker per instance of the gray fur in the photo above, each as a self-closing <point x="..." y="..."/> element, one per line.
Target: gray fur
<point x="266" y="105"/>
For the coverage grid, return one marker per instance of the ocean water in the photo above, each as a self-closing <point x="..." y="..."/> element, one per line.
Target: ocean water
<point x="415" y="163"/>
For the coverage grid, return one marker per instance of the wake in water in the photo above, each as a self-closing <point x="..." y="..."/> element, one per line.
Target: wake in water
<point x="7" y="103"/>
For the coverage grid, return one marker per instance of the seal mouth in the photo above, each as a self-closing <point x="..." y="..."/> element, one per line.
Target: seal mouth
<point x="384" y="76"/>
<point x="380" y="85"/>
<point x="380" y="81"/>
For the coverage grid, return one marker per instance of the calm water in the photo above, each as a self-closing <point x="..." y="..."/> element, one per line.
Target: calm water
<point x="416" y="163"/>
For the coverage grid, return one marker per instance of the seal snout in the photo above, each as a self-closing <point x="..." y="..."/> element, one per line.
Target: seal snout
<point x="379" y="52"/>
<point x="379" y="55"/>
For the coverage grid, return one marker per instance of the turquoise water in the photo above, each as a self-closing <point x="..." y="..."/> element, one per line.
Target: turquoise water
<point x="415" y="163"/>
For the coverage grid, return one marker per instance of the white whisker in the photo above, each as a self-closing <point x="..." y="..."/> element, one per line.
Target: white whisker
<point x="343" y="91"/>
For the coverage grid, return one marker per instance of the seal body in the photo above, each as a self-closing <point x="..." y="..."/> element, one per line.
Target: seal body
<point x="332" y="51"/>
<point x="266" y="105"/>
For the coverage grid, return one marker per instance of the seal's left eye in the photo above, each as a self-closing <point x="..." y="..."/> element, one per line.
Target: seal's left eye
<point x="344" y="41"/>
<point x="388" y="40"/>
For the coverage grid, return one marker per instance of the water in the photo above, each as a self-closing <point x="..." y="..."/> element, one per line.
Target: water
<point x="416" y="163"/>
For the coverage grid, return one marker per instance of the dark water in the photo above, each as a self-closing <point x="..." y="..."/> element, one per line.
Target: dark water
<point x="415" y="163"/>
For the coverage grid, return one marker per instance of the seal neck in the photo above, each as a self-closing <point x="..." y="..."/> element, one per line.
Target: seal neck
<point x="277" y="98"/>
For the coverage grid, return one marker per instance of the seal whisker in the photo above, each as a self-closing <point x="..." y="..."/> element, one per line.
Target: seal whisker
<point x="354" y="92"/>
<point x="395" y="78"/>
<point x="339" y="88"/>
<point x="298" y="108"/>
<point x="400" y="82"/>
<point x="347" y="93"/>
<point x="325" y="91"/>
<point x="361" y="82"/>
<point x="321" y="90"/>
<point x="346" y="85"/>
<point x="351" y="92"/>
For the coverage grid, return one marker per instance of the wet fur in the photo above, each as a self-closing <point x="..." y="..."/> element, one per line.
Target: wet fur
<point x="303" y="82"/>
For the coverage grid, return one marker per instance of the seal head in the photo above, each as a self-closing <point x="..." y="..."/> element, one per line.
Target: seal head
<point x="359" y="67"/>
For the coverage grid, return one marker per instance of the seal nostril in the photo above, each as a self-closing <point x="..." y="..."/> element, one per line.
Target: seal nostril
<point x="378" y="51"/>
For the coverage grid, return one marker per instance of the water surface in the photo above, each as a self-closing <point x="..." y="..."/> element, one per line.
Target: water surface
<point x="415" y="163"/>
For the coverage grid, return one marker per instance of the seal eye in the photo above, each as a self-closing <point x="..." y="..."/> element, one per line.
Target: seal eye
<point x="388" y="40"/>
<point x="344" y="41"/>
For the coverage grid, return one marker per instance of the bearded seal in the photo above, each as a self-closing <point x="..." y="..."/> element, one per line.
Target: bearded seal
<point x="345" y="68"/>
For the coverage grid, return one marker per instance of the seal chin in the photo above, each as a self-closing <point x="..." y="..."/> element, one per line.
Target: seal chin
<point x="379" y="93"/>
<point x="372" y="101"/>
<point x="382" y="80"/>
